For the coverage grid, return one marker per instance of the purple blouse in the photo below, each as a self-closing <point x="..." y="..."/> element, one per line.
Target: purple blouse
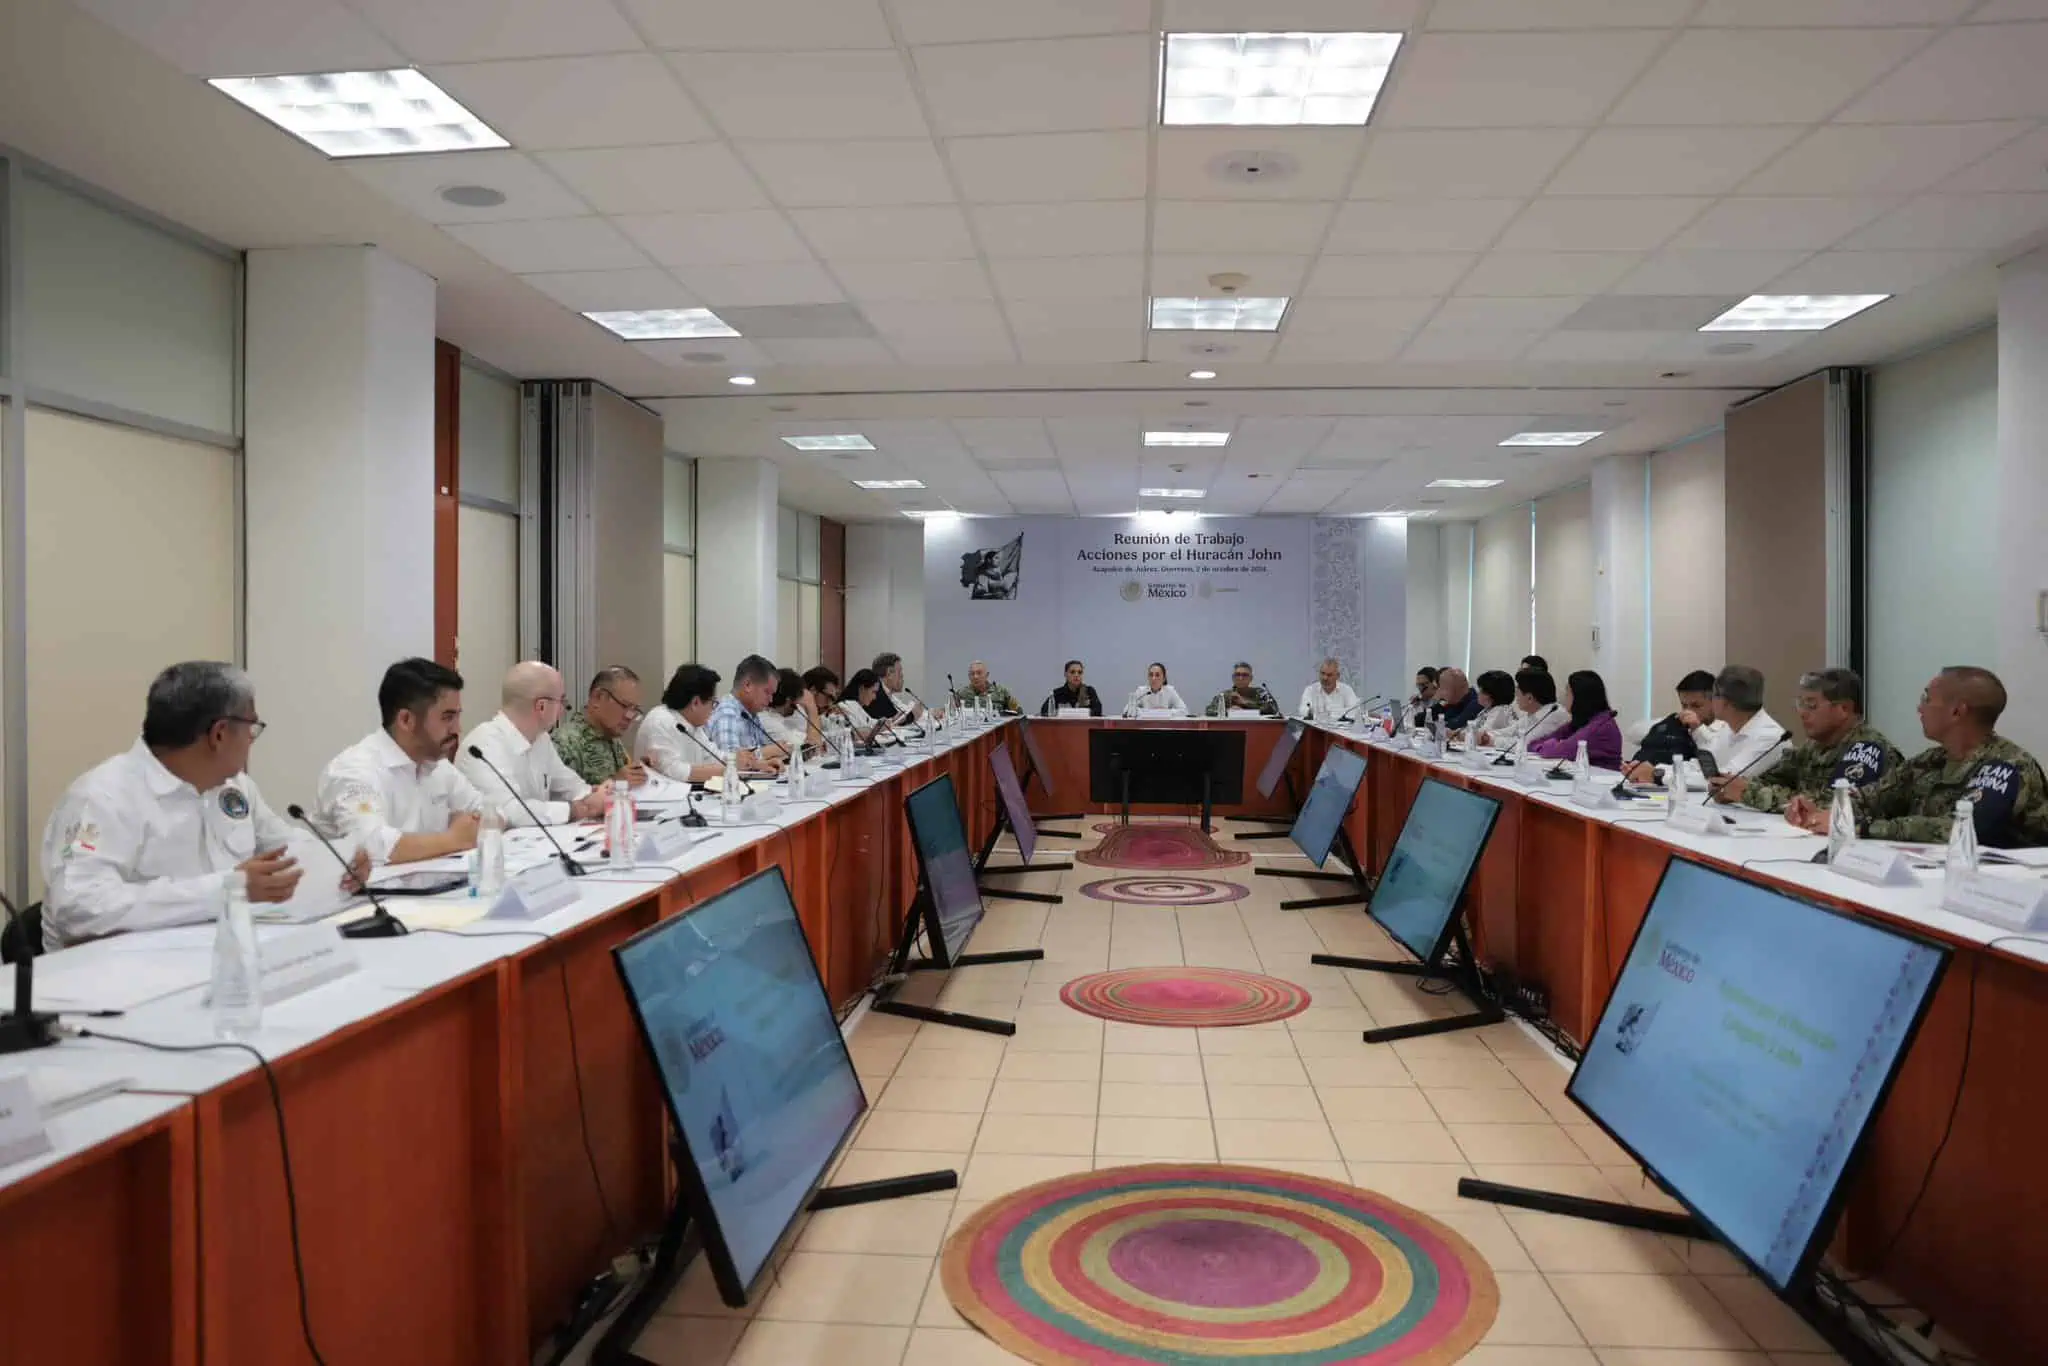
<point x="1602" y="735"/>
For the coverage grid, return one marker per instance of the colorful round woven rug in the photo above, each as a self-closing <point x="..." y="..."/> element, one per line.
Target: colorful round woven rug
<point x="1166" y="891"/>
<point x="1159" y="848"/>
<point x="1185" y="1264"/>
<point x="1185" y="998"/>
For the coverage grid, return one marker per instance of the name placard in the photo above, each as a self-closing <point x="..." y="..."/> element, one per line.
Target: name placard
<point x="1243" y="714"/>
<point x="534" y="892"/>
<point x="1697" y="819"/>
<point x="663" y="841"/>
<point x="294" y="962"/>
<point x="1877" y="864"/>
<point x="1594" y="795"/>
<point x="2008" y="902"/>
<point x="22" y="1132"/>
<point x="1074" y="713"/>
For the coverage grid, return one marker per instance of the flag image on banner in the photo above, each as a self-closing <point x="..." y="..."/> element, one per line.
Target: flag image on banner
<point x="992" y="574"/>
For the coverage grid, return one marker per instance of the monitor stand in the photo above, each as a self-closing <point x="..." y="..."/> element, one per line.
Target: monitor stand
<point x="1293" y="799"/>
<point x="681" y="1241"/>
<point x="901" y="965"/>
<point x="1360" y="895"/>
<point x="983" y="868"/>
<point x="1465" y="976"/>
<point x="1024" y="786"/>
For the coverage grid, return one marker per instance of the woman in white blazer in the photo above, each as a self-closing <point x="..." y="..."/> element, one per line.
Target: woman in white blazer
<point x="1157" y="697"/>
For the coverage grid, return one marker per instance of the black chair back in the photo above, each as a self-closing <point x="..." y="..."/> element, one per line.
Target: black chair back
<point x="23" y="937"/>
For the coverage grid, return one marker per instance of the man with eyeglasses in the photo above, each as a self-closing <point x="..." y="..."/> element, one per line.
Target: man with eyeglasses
<point x="1243" y="694"/>
<point x="517" y="743"/>
<point x="1840" y="744"/>
<point x="591" y="741"/>
<point x="146" y="839"/>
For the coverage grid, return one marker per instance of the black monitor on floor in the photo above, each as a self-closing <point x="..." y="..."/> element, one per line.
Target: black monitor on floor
<point x="752" y="1064"/>
<point x="1276" y="762"/>
<point x="945" y="868"/>
<point x="1011" y="792"/>
<point x="1037" y="758"/>
<point x="1749" y="1040"/>
<point x="1431" y="866"/>
<point x="1328" y="802"/>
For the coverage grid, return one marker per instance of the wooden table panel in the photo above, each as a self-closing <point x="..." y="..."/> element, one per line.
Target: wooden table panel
<point x="1065" y="747"/>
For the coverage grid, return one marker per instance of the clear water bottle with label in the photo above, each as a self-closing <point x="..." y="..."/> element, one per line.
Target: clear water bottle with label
<point x="1522" y="758"/>
<point x="621" y="828"/>
<point x="490" y="852"/>
<point x="1841" y="819"/>
<point x="1582" y="767"/>
<point x="731" y="795"/>
<point x="1962" y="840"/>
<point x="237" y="998"/>
<point x="1676" y="792"/>
<point x="796" y="773"/>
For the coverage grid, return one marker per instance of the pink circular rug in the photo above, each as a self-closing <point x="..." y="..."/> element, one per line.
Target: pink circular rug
<point x="1159" y="848"/>
<point x="1185" y="998"/>
<point x="1161" y="890"/>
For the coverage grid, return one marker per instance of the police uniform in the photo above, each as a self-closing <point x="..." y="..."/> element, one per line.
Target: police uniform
<point x="588" y="752"/>
<point x="1917" y="799"/>
<point x="376" y="792"/>
<point x="1863" y="756"/>
<point x="1004" y="701"/>
<point x="132" y="846"/>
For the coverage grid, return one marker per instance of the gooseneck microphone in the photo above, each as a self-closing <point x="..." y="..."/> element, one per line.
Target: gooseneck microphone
<point x="713" y="755"/>
<point x="25" y="1029"/>
<point x="569" y="864"/>
<point x="380" y="923"/>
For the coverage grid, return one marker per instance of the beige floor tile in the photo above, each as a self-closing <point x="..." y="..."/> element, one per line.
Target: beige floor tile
<point x="1256" y="1041"/>
<point x="1443" y="1046"/>
<point x="940" y="1095"/>
<point x="840" y="1287"/>
<point x="1377" y="1104"/>
<point x="1601" y="1150"/>
<point x="1051" y="1067"/>
<point x="1462" y="1073"/>
<point x="989" y="1175"/>
<point x="1371" y="1141"/>
<point x="842" y="1344"/>
<point x="938" y="1066"/>
<point x="1428" y="1186"/>
<point x="1085" y="1037"/>
<point x="1681" y="1356"/>
<point x="1512" y="1043"/>
<point x="961" y="1210"/>
<point x="673" y="1341"/>
<point x="1149" y="1039"/>
<point x="1043" y="1098"/>
<point x="1559" y="1243"/>
<point x="1109" y="1160"/>
<point x="1359" y="1067"/>
<point x="936" y="1310"/>
<point x="696" y="1296"/>
<point x="1647" y="1311"/>
<point x="1333" y="1018"/>
<point x="1482" y="1226"/>
<point x="1238" y="1070"/>
<point x="875" y="1164"/>
<point x="1265" y="1102"/>
<point x="1166" y="1102"/>
<point x="1490" y="1354"/>
<point x="1328" y="1171"/>
<point x="1043" y="1135"/>
<point x="905" y="1228"/>
<point x="1763" y="1315"/>
<point x="1486" y="1105"/>
<point x="1705" y="1258"/>
<point x="1256" y="1140"/>
<point x="1633" y="1185"/>
<point x="1128" y="1136"/>
<point x="918" y="1131"/>
<point x="1522" y="1144"/>
<point x="1530" y="1315"/>
<point x="1557" y="1179"/>
<point x="1332" y="1043"/>
<point x="940" y="1039"/>
<point x="1153" y="1069"/>
<point x="954" y="1347"/>
<point x="1031" y="1019"/>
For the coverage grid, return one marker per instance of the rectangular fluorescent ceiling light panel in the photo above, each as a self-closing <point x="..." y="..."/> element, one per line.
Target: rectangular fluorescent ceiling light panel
<point x="363" y="113"/>
<point x="1274" y="79"/>
<point x="1552" y="438"/>
<point x="888" y="483"/>
<point x="1187" y="438"/>
<point x="1217" y="315"/>
<point x="1170" y="493"/>
<point x="663" y="324"/>
<point x="850" y="441"/>
<point x="1792" y="312"/>
<point x="930" y="514"/>
<point x="1464" y="483"/>
<point x="1395" y="512"/>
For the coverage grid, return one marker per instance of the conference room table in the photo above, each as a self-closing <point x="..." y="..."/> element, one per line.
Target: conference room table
<point x="438" y="1099"/>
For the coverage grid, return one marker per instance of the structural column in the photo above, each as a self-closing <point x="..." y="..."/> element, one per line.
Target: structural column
<point x="1621" y="587"/>
<point x="736" y="561"/>
<point x="2021" y="597"/>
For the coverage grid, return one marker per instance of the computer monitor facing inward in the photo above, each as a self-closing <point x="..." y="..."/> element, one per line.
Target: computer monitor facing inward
<point x="1037" y="757"/>
<point x="1748" y="1042"/>
<point x="1022" y="826"/>
<point x="1431" y="866"/>
<point x="1277" y="761"/>
<point x="756" y="1075"/>
<point x="1329" y="801"/>
<point x="945" y="867"/>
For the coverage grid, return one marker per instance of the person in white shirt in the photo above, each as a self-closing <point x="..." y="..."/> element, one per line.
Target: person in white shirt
<point x="395" y="790"/>
<point x="786" y="723"/>
<point x="516" y="741"/>
<point x="147" y="838"/>
<point x="1157" y="695"/>
<point x="1328" y="698"/>
<point x="1497" y="703"/>
<point x="671" y="740"/>
<point x="1538" y="716"/>
<point x="893" y="697"/>
<point x="1741" y="733"/>
<point x="854" y="703"/>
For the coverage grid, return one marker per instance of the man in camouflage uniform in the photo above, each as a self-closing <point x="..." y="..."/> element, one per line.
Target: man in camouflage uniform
<point x="591" y="741"/>
<point x="1840" y="744"/>
<point x="1916" y="800"/>
<point x="978" y="687"/>
<point x="1243" y="694"/>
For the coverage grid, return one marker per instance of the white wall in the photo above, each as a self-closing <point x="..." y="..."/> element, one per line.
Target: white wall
<point x="1688" y="559"/>
<point x="885" y="597"/>
<point x="1621" y="580"/>
<point x="1564" y="581"/>
<point x="2022" y="488"/>
<point x="1460" y="549"/>
<point x="736" y="558"/>
<point x="1933" y="488"/>
<point x="1426" y="626"/>
<point x="1383" y="568"/>
<point x="1500" y="590"/>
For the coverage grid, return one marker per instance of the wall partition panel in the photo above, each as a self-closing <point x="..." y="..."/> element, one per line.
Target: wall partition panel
<point x="1564" y="583"/>
<point x="1688" y="547"/>
<point x="489" y="526"/>
<point x="1501" y="589"/>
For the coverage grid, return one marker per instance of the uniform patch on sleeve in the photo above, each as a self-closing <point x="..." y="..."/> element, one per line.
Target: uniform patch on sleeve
<point x="82" y="838"/>
<point x="233" y="804"/>
<point x="1996" y="786"/>
<point x="1862" y="763"/>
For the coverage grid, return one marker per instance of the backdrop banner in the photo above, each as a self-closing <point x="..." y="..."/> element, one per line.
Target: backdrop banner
<point x="1028" y="593"/>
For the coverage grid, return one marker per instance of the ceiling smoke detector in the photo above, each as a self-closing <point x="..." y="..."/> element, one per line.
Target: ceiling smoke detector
<point x="1254" y="168"/>
<point x="1229" y="281"/>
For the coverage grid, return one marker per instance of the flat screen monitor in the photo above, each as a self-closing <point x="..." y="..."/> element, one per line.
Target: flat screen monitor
<point x="1329" y="800"/>
<point x="1750" y="1038"/>
<point x="1277" y="761"/>
<point x="751" y="1061"/>
<point x="1432" y="865"/>
<point x="1012" y="794"/>
<point x="946" y="866"/>
<point x="1037" y="758"/>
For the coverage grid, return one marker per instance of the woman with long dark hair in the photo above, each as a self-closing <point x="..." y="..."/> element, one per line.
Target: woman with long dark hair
<point x="1585" y="697"/>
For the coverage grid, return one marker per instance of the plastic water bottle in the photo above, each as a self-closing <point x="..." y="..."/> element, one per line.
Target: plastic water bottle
<point x="1522" y="759"/>
<point x="1962" y="841"/>
<point x="731" y="796"/>
<point x="1582" y="767"/>
<point x="1678" y="794"/>
<point x="490" y="852"/>
<point x="1841" y="820"/>
<point x="621" y="829"/>
<point x="237" y="967"/>
<point x="796" y="773"/>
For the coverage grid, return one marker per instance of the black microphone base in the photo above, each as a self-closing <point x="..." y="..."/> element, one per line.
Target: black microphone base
<point x="20" y="1033"/>
<point x="573" y="868"/>
<point x="693" y="818"/>
<point x="380" y="924"/>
